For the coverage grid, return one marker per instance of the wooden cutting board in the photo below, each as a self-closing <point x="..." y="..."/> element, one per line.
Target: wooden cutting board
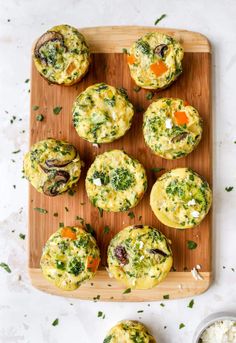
<point x="109" y="65"/>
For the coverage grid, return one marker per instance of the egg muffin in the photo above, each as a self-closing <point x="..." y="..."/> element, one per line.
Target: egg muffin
<point x="102" y="113"/>
<point x="52" y="166"/>
<point x="115" y="181"/>
<point x="70" y="257"/>
<point x="139" y="256"/>
<point x="129" y="331"/>
<point x="155" y="60"/>
<point x="172" y="128"/>
<point x="181" y="198"/>
<point x="61" y="55"/>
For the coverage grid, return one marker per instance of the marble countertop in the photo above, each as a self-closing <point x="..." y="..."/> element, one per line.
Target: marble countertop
<point x="26" y="315"/>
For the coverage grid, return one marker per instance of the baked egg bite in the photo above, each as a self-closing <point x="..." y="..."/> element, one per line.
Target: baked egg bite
<point x="70" y="257"/>
<point x="52" y="166"/>
<point x="155" y="60"/>
<point x="61" y="55"/>
<point x="115" y="181"/>
<point x="139" y="256"/>
<point x="181" y="198"/>
<point x="172" y="128"/>
<point x="102" y="113"/>
<point x="129" y="331"/>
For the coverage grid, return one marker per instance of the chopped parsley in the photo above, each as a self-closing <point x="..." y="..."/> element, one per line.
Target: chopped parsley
<point x="57" y="110"/>
<point x="71" y="192"/>
<point x="39" y="117"/>
<point x="191" y="303"/>
<point x="66" y="209"/>
<point x="160" y="18"/>
<point x="16" y="152"/>
<point x="181" y="325"/>
<point x="125" y="51"/>
<point x="166" y="296"/>
<point x="128" y="290"/>
<point x="22" y="236"/>
<point x="27" y="80"/>
<point x="41" y="210"/>
<point x="162" y="305"/>
<point x="80" y="219"/>
<point x="100" y="210"/>
<point x="149" y="96"/>
<point x="55" y="214"/>
<point x="191" y="245"/>
<point x="107" y="339"/>
<point x="5" y="267"/>
<point x="35" y="107"/>
<point x="131" y="215"/>
<point x="140" y="311"/>
<point x="137" y="89"/>
<point x="229" y="189"/>
<point x="55" y="322"/>
<point x="157" y="170"/>
<point x="106" y="229"/>
<point x="61" y="225"/>
<point x="101" y="314"/>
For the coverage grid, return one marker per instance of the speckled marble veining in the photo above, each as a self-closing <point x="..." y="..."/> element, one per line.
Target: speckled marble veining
<point x="26" y="315"/>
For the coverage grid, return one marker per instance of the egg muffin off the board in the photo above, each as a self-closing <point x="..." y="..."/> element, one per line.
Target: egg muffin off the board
<point x="181" y="198"/>
<point x="61" y="55"/>
<point x="172" y="128"/>
<point x="52" y="166"/>
<point x="139" y="256"/>
<point x="102" y="113"/>
<point x="115" y="181"/>
<point x="129" y="331"/>
<point x="155" y="60"/>
<point x="70" y="257"/>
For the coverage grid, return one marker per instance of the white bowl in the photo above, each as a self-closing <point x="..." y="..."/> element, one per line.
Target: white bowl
<point x="215" y="317"/>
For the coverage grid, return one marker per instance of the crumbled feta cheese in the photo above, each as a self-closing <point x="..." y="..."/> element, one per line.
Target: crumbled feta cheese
<point x="196" y="274"/>
<point x="195" y="214"/>
<point x="97" y="182"/>
<point x="109" y="273"/>
<point x="223" y="331"/>
<point x="95" y="145"/>
<point x="169" y="123"/>
<point x="141" y="244"/>
<point x="133" y="282"/>
<point x="141" y="257"/>
<point x="198" y="267"/>
<point x="113" y="114"/>
<point x="191" y="202"/>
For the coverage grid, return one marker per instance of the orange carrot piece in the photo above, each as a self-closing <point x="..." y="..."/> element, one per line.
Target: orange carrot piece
<point x="92" y="263"/>
<point x="68" y="233"/>
<point x="71" y="67"/>
<point x="130" y="59"/>
<point x="158" y="68"/>
<point x="186" y="103"/>
<point x="181" y="117"/>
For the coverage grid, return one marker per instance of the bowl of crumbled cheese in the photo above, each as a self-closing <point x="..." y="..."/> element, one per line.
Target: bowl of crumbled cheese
<point x="217" y="328"/>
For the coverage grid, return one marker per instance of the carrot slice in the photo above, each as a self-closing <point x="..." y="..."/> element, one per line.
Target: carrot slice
<point x="186" y="103"/>
<point x="181" y="117"/>
<point x="92" y="263"/>
<point x="158" y="68"/>
<point x="66" y="232"/>
<point x="130" y="59"/>
<point x="71" y="67"/>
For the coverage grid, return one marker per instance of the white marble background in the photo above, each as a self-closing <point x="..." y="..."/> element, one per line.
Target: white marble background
<point x="26" y="315"/>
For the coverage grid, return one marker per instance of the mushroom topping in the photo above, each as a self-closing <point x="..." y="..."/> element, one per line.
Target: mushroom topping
<point x="160" y="50"/>
<point x="121" y="254"/>
<point x="157" y="252"/>
<point x="57" y="163"/>
<point x="179" y="137"/>
<point x="52" y="186"/>
<point x="49" y="36"/>
<point x="138" y="226"/>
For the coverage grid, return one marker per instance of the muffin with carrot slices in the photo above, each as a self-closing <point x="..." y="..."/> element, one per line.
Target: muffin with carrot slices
<point x="52" y="166"/>
<point x="61" y="55"/>
<point x="129" y="331"/>
<point x="172" y="128"/>
<point x="181" y="198"/>
<point x="70" y="257"/>
<point x="155" y="60"/>
<point x="139" y="256"/>
<point x="115" y="181"/>
<point x="102" y="113"/>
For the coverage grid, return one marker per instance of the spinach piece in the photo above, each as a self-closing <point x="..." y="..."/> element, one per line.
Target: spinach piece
<point x="75" y="266"/>
<point x="143" y="46"/>
<point x="121" y="179"/>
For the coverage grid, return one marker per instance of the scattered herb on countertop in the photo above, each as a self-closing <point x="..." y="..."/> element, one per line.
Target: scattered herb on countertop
<point x="22" y="236"/>
<point x="101" y="314"/>
<point x="125" y="51"/>
<point x="66" y="209"/>
<point x="55" y="214"/>
<point x="27" y="80"/>
<point x="128" y="290"/>
<point x="160" y="18"/>
<point x="35" y="107"/>
<point x="13" y="119"/>
<point x="137" y="89"/>
<point x="166" y="296"/>
<point x="55" y="322"/>
<point x="107" y="339"/>
<point x="131" y="215"/>
<point x="71" y="192"/>
<point x="149" y="96"/>
<point x="95" y="299"/>
<point x="90" y="229"/>
<point x="229" y="189"/>
<point x="191" y="303"/>
<point x="80" y="219"/>
<point x="57" y="109"/>
<point x="16" y="152"/>
<point x="106" y="229"/>
<point x="5" y="267"/>
<point x="61" y="225"/>
<point x="140" y="217"/>
<point x="140" y="311"/>
<point x="157" y="170"/>
<point x="41" y="210"/>
<point x="191" y="245"/>
<point x="39" y="117"/>
<point x="181" y="325"/>
<point x="100" y="210"/>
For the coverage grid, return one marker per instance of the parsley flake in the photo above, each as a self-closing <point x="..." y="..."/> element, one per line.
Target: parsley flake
<point x="229" y="189"/>
<point x="55" y="322"/>
<point x="160" y="18"/>
<point x="57" y="110"/>
<point x="128" y="290"/>
<point x="41" y="210"/>
<point x="5" y="267"/>
<point x="191" y="245"/>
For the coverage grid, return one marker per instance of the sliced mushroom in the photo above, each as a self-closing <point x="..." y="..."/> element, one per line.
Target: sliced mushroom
<point x="57" y="163"/>
<point x="179" y="137"/>
<point x="160" y="50"/>
<point x="49" y="36"/>
<point x="157" y="252"/>
<point x="121" y="254"/>
<point x="51" y="187"/>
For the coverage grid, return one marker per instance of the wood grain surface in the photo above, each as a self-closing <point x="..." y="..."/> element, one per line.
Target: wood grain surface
<point x="194" y="85"/>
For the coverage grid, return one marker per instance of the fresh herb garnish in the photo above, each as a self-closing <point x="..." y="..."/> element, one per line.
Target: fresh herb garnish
<point x="128" y="290"/>
<point x="191" y="245"/>
<point x="181" y="325"/>
<point x="157" y="170"/>
<point x="140" y="311"/>
<point x="106" y="229"/>
<point x="162" y="305"/>
<point x="131" y="215"/>
<point x="125" y="51"/>
<point x="90" y="229"/>
<point x="66" y="209"/>
<point x="55" y="322"/>
<point x="107" y="339"/>
<point x="71" y="192"/>
<point x="27" y="80"/>
<point x="80" y="219"/>
<point x="41" y="210"/>
<point x="166" y="296"/>
<point x="101" y="314"/>
<point x="229" y="189"/>
<point x="55" y="214"/>
<point x="57" y="109"/>
<point x="191" y="303"/>
<point x="100" y="210"/>
<point x="39" y="117"/>
<point x="35" y="107"/>
<point x="137" y="89"/>
<point x="140" y="217"/>
<point x="16" y="152"/>
<point x="61" y="225"/>
<point x="5" y="267"/>
<point x="22" y="236"/>
<point x="160" y="18"/>
<point x="149" y="96"/>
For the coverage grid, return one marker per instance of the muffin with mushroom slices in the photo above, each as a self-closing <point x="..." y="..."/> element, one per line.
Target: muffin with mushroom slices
<point x="52" y="166"/>
<point x="61" y="55"/>
<point x="155" y="60"/>
<point x="139" y="256"/>
<point x="172" y="128"/>
<point x="102" y="113"/>
<point x="129" y="331"/>
<point x="115" y="181"/>
<point x="181" y="198"/>
<point x="70" y="257"/>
